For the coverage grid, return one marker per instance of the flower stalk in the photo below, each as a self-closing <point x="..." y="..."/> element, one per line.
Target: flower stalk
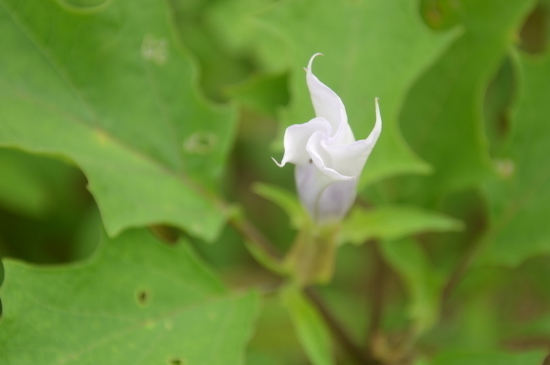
<point x="311" y="258"/>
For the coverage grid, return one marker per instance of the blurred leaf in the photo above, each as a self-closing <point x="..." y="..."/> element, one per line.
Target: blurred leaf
<point x="22" y="189"/>
<point x="275" y="338"/>
<point x="421" y="281"/>
<point x="218" y="65"/>
<point x="235" y="24"/>
<point x="137" y="300"/>
<point x="42" y="203"/>
<point x="490" y="358"/>
<point x="536" y="30"/>
<point x="393" y="223"/>
<point x="309" y="325"/>
<point x="520" y="199"/>
<point x="285" y="200"/>
<point x="440" y="14"/>
<point x="364" y="58"/>
<point x="266" y="260"/>
<point x="264" y="93"/>
<point x="442" y="115"/>
<point x="84" y="6"/>
<point x="113" y="92"/>
<point x="88" y="235"/>
<point x="497" y="107"/>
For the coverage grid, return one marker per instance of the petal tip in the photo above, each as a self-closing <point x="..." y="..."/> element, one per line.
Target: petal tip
<point x="311" y="60"/>
<point x="278" y="164"/>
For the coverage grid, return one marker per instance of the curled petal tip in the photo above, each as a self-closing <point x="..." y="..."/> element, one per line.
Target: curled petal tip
<point x="278" y="164"/>
<point x="311" y="60"/>
<point x="378" y="124"/>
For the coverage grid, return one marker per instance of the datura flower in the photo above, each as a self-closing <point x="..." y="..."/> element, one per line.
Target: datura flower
<point x="328" y="159"/>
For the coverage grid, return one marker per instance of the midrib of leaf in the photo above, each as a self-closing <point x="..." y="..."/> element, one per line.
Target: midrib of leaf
<point x="87" y="106"/>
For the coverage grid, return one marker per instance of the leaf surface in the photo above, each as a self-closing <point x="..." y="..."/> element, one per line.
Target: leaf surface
<point x="113" y="91"/>
<point x="519" y="199"/>
<point x="490" y="358"/>
<point x="137" y="301"/>
<point x="421" y="281"/>
<point x="312" y="331"/>
<point x="393" y="223"/>
<point x="442" y="116"/>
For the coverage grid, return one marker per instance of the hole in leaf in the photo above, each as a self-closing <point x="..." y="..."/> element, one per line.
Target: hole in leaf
<point x="175" y="361"/>
<point x="499" y="98"/>
<point x="143" y="297"/>
<point x="440" y="14"/>
<point x="201" y="143"/>
<point x="534" y="32"/>
<point x="167" y="234"/>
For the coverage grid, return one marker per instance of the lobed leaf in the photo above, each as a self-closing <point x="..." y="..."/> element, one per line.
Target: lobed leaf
<point x="393" y="223"/>
<point x="136" y="301"/>
<point x="442" y="116"/>
<point x="112" y="91"/>
<point x="519" y="199"/>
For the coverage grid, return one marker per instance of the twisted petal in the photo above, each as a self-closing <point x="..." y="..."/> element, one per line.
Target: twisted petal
<point x="338" y="160"/>
<point x="296" y="138"/>
<point x="322" y="159"/>
<point x="336" y="200"/>
<point x="328" y="105"/>
<point x="324" y="198"/>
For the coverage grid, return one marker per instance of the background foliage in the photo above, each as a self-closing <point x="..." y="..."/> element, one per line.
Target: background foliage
<point x="133" y="136"/>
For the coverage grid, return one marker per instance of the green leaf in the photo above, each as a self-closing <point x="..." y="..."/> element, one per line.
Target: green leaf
<point x="393" y="223"/>
<point x="235" y="23"/>
<point x="311" y="329"/>
<point x="285" y="200"/>
<point x="442" y="116"/>
<point x="421" y="281"/>
<point x="364" y="58"/>
<point x="519" y="199"/>
<point x="264" y="93"/>
<point x="490" y="358"/>
<point x="113" y="91"/>
<point x="22" y="186"/>
<point x="138" y="300"/>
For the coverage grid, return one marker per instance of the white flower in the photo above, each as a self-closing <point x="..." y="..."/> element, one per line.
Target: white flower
<point x="328" y="159"/>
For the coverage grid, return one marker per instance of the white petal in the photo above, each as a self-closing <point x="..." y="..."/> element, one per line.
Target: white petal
<point x="296" y="138"/>
<point x="336" y="200"/>
<point x="310" y="183"/>
<point x="349" y="160"/>
<point x="322" y="158"/>
<point x="324" y="198"/>
<point x="328" y="105"/>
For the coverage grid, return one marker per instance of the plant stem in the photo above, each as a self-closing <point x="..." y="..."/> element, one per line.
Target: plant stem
<point x="255" y="237"/>
<point x="339" y="332"/>
<point x="461" y="268"/>
<point x="377" y="291"/>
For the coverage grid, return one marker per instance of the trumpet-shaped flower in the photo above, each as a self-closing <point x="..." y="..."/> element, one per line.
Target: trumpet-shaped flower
<point x="328" y="159"/>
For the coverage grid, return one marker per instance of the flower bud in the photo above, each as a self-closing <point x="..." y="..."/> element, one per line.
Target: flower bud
<point x="328" y="159"/>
